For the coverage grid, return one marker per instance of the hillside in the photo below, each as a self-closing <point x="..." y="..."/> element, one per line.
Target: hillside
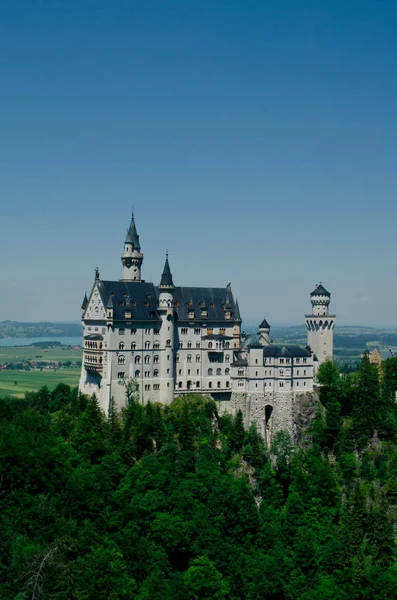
<point x="16" y="329"/>
<point x="180" y="503"/>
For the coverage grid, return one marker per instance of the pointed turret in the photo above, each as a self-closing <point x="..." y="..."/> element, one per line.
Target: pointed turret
<point x="85" y="302"/>
<point x="132" y="235"/>
<point x="264" y="331"/>
<point x="166" y="282"/>
<point x="132" y="257"/>
<point x="237" y="312"/>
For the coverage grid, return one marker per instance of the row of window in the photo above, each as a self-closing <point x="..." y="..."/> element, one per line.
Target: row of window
<point x="190" y="384"/>
<point x="133" y="331"/>
<point x="282" y="361"/>
<point x="92" y="345"/>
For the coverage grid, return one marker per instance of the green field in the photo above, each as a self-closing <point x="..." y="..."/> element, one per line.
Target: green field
<point x="18" y="354"/>
<point x="34" y="380"/>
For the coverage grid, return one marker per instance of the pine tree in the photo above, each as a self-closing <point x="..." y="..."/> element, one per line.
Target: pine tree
<point x="237" y="433"/>
<point x="366" y="401"/>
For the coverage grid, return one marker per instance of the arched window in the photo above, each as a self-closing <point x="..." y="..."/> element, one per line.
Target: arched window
<point x="156" y="359"/>
<point x="227" y="384"/>
<point x="137" y="359"/>
<point x="210" y="372"/>
<point x="121" y="346"/>
<point x="227" y="371"/>
<point x="133" y="345"/>
<point x="189" y="345"/>
<point x="180" y="345"/>
<point x="241" y="372"/>
<point x="210" y="384"/>
<point x="227" y="358"/>
<point x="227" y="345"/>
<point x="210" y="345"/>
<point x="189" y="358"/>
<point x="197" y="384"/>
<point x="121" y="360"/>
<point x="197" y="357"/>
<point x="147" y="359"/>
<point x="156" y="373"/>
<point x="156" y="346"/>
<point x="219" y="385"/>
<point x="219" y="371"/>
<point x="137" y="373"/>
<point x="168" y="343"/>
<point x="147" y="345"/>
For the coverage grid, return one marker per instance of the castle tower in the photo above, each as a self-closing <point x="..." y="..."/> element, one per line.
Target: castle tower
<point x="132" y="257"/>
<point x="166" y="312"/>
<point x="264" y="332"/>
<point x="320" y="324"/>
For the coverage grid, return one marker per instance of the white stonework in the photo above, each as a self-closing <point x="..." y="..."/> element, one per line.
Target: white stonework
<point x="320" y="325"/>
<point x="177" y="340"/>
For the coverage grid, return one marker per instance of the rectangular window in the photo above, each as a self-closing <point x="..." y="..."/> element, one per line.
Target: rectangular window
<point x="133" y="331"/>
<point x="297" y="372"/>
<point x="304" y="371"/>
<point x="147" y="330"/>
<point x="210" y="331"/>
<point x="184" y="330"/>
<point x="297" y="361"/>
<point x="222" y="331"/>
<point x="156" y="331"/>
<point x="305" y="360"/>
<point x="297" y="384"/>
<point x="281" y="384"/>
<point x="197" y="330"/>
<point x="121" y="374"/>
<point x="304" y="384"/>
<point x="156" y="386"/>
<point x="281" y="361"/>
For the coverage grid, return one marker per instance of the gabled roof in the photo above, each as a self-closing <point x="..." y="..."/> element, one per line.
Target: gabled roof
<point x="195" y="298"/>
<point x="289" y="351"/>
<point x="320" y="291"/>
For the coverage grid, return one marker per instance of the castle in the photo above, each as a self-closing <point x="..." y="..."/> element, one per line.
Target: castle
<point x="177" y="340"/>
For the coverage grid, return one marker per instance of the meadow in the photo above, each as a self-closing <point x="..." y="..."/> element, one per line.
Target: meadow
<point x="27" y="381"/>
<point x="15" y="382"/>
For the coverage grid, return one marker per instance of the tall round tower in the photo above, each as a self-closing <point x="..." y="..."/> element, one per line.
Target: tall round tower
<point x="132" y="257"/>
<point x="320" y="324"/>
<point x="166" y="311"/>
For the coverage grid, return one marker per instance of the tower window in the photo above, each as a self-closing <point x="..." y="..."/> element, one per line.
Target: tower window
<point x="121" y="346"/>
<point x="156" y="373"/>
<point x="147" y="359"/>
<point x="133" y="346"/>
<point x="137" y="359"/>
<point x="197" y="357"/>
<point x="156" y="359"/>
<point x="121" y="359"/>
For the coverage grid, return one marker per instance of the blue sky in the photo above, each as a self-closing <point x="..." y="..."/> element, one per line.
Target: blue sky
<point x="257" y="140"/>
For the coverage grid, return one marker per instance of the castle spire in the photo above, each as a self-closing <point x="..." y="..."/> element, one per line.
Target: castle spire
<point x="132" y="257"/>
<point x="132" y="235"/>
<point x="166" y="278"/>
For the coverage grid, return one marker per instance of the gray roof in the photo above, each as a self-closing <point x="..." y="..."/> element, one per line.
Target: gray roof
<point x="132" y="235"/>
<point x="141" y="298"/>
<point x="85" y="302"/>
<point x="166" y="277"/>
<point x="251" y="341"/>
<point x="288" y="351"/>
<point x="320" y="291"/>
<point x="264" y="325"/>
<point x="214" y="300"/>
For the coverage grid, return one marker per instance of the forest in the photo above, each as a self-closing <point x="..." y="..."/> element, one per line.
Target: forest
<point x="184" y="503"/>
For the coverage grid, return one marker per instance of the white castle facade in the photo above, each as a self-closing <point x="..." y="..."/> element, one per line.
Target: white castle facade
<point x="178" y="340"/>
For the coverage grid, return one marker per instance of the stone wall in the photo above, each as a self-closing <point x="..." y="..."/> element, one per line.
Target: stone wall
<point x="274" y="411"/>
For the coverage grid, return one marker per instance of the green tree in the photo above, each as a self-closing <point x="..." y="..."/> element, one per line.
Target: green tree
<point x="204" y="582"/>
<point x="366" y="401"/>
